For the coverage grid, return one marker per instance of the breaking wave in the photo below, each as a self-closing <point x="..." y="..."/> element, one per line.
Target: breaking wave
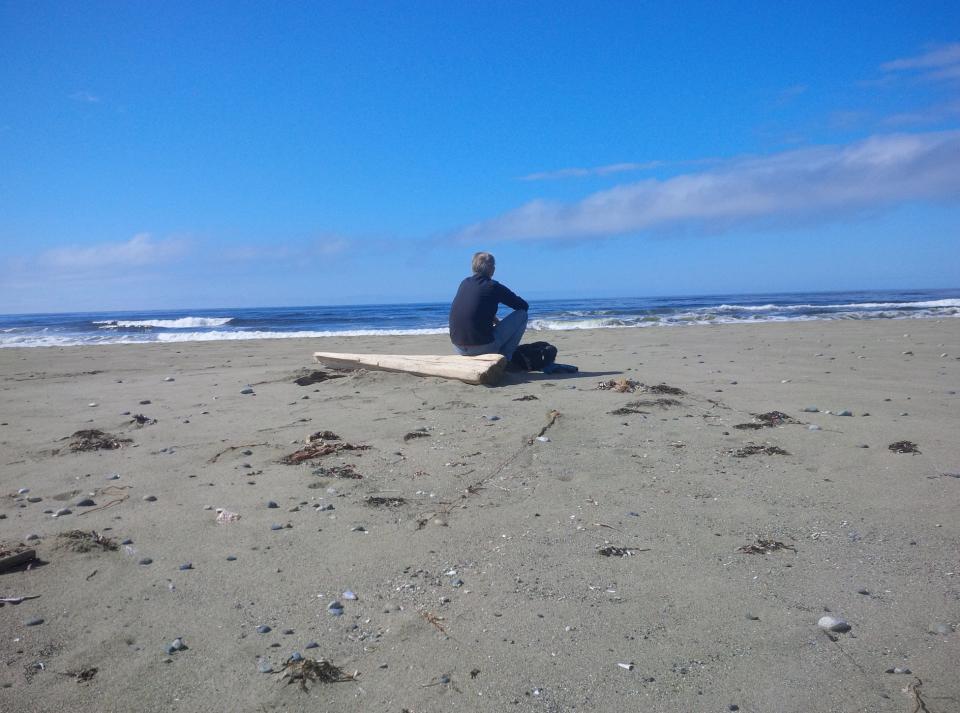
<point x="181" y="323"/>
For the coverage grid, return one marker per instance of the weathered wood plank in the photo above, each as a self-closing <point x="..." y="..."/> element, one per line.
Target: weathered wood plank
<point x="483" y="369"/>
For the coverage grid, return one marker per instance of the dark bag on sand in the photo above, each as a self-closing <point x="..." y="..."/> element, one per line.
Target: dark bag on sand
<point x="534" y="357"/>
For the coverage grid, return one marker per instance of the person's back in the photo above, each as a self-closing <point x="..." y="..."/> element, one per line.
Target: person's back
<point x="474" y="328"/>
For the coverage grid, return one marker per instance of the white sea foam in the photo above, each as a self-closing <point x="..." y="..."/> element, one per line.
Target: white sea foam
<point x="181" y="323"/>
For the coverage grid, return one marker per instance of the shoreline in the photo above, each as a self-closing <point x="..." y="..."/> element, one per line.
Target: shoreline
<point x="478" y="576"/>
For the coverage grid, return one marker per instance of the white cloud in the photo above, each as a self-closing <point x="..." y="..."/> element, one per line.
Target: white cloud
<point x="591" y="171"/>
<point x="811" y="184"/>
<point x="85" y="97"/>
<point x="939" y="63"/>
<point x="291" y="252"/>
<point x="139" y="251"/>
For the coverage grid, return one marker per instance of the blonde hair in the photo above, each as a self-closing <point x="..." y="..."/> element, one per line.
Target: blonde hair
<point x="483" y="264"/>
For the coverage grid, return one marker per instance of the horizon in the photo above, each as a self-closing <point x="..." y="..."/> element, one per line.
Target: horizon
<point x="158" y="157"/>
<point x="542" y="300"/>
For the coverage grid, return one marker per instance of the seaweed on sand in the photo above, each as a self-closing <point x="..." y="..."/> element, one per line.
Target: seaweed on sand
<point x="85" y="541"/>
<point x="752" y="449"/>
<point x="93" y="439"/>
<point x="764" y="547"/>
<point x="378" y="501"/>
<point x="318" y="449"/>
<point x="302" y="670"/>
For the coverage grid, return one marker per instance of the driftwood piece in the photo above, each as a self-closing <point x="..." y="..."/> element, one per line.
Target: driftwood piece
<point x="14" y="560"/>
<point x="483" y="369"/>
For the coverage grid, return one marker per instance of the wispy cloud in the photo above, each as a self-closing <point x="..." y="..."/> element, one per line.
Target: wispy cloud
<point x="607" y="170"/>
<point x="932" y="114"/>
<point x="85" y="97"/>
<point x="787" y="95"/>
<point x="142" y="250"/>
<point x="941" y="62"/>
<point x="610" y="169"/>
<point x="319" y="248"/>
<point x="812" y="184"/>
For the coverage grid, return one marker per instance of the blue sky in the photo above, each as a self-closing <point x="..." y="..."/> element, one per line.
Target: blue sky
<point x="176" y="155"/>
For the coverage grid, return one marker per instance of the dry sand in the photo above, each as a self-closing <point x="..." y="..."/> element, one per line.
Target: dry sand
<point x="485" y="588"/>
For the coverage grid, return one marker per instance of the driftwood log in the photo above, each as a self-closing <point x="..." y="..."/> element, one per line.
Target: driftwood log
<point x="483" y="369"/>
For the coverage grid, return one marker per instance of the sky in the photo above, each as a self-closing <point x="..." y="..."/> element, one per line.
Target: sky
<point x="184" y="155"/>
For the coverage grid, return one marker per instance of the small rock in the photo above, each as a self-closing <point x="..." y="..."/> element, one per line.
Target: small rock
<point x="62" y="511"/>
<point x="31" y="537"/>
<point x="35" y="621"/>
<point x="178" y="645"/>
<point x="811" y="409"/>
<point x="457" y="583"/>
<point x="733" y="707"/>
<point x="263" y="666"/>
<point x="288" y="632"/>
<point x="492" y="418"/>
<point x="864" y="592"/>
<point x="942" y="629"/>
<point x="543" y="439"/>
<point x="296" y="656"/>
<point x="264" y="629"/>
<point x="185" y="566"/>
<point x="231" y="558"/>
<point x="92" y="404"/>
<point x="349" y="595"/>
<point x="113" y="476"/>
<point x="276" y="527"/>
<point x="85" y="503"/>
<point x="898" y="669"/>
<point x="832" y="624"/>
<point x="149" y="498"/>
<point x="246" y="391"/>
<point x="145" y="402"/>
<point x="444" y="679"/>
<point x="34" y="499"/>
<point x="312" y="645"/>
<point x="272" y="504"/>
<point x="168" y="378"/>
<point x="335" y="608"/>
<point x="813" y="427"/>
<point x="358" y="528"/>
<point x="845" y="412"/>
<point x="145" y="561"/>
<point x="23" y="491"/>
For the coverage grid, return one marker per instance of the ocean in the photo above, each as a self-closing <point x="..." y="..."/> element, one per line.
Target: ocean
<point x="78" y="328"/>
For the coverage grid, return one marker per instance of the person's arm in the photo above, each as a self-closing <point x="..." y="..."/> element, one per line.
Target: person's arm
<point x="505" y="296"/>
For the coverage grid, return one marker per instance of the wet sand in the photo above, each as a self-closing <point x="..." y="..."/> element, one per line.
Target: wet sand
<point x="477" y="567"/>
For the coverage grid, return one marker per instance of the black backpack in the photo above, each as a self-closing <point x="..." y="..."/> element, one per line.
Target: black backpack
<point x="533" y="357"/>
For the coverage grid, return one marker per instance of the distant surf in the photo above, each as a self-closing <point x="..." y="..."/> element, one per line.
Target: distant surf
<point x="69" y="329"/>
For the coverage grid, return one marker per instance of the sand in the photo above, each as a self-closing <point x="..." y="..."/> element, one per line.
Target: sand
<point x="484" y="588"/>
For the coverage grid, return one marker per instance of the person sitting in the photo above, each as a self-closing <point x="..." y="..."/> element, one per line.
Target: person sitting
<point x="474" y="327"/>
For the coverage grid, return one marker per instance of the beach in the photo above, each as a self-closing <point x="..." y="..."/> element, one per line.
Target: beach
<point x="518" y="547"/>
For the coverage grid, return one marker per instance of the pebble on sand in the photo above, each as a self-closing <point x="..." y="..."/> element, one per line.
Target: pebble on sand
<point x="335" y="608"/>
<point x="62" y="511"/>
<point x="264" y="629"/>
<point x="85" y="503"/>
<point x="145" y="561"/>
<point x="185" y="566"/>
<point x="149" y="498"/>
<point x="833" y="624"/>
<point x="35" y="621"/>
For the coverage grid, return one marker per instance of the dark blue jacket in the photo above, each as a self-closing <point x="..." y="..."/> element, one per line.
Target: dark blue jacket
<point x="475" y="306"/>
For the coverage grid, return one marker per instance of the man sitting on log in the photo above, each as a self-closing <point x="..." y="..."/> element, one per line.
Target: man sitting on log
<point x="474" y="327"/>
